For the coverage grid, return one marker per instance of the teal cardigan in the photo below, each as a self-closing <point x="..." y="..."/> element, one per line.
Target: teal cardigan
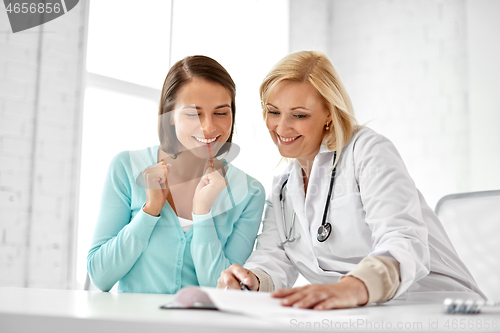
<point x="152" y="254"/>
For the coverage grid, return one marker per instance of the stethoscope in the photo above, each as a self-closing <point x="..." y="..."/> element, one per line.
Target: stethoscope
<point x="325" y="229"/>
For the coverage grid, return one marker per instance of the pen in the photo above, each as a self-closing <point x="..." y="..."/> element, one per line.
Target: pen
<point x="244" y="287"/>
<point x="211" y="158"/>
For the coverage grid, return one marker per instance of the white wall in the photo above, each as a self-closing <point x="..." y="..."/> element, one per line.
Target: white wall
<point x="483" y="54"/>
<point x="40" y="120"/>
<point x="422" y="73"/>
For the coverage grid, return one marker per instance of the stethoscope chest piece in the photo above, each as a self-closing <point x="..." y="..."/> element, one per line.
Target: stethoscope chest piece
<point x="324" y="232"/>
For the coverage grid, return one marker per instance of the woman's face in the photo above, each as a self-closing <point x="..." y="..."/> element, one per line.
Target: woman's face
<point x="202" y="117"/>
<point x="296" y="118"/>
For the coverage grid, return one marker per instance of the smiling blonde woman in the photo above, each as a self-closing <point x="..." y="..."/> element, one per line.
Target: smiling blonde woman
<point x="345" y="213"/>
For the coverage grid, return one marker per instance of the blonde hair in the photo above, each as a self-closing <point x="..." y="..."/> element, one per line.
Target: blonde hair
<point x="316" y="68"/>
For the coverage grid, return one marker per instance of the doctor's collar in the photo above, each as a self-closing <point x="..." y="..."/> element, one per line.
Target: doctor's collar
<point x="324" y="149"/>
<point x="321" y="157"/>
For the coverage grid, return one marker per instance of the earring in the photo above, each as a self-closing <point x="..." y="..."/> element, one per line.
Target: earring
<point x="327" y="126"/>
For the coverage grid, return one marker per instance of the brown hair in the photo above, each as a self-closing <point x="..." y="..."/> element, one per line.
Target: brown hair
<point x="316" y="68"/>
<point x="180" y="74"/>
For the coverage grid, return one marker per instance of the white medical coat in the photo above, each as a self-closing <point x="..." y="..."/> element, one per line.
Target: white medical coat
<point x="375" y="210"/>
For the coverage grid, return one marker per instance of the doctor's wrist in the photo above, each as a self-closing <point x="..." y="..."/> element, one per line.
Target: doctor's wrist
<point x="357" y="287"/>
<point x="265" y="281"/>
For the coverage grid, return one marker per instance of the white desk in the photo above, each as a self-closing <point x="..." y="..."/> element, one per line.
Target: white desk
<point x="68" y="311"/>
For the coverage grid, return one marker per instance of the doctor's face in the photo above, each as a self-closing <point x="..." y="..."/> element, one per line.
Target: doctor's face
<point x="202" y="117"/>
<point x="296" y="118"/>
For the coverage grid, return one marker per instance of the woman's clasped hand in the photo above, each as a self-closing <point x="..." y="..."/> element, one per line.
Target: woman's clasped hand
<point x="155" y="179"/>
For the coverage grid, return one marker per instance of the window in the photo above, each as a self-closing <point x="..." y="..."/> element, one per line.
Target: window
<point x="128" y="58"/>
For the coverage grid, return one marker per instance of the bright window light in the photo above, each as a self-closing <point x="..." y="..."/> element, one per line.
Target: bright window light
<point x="246" y="37"/>
<point x="112" y="123"/>
<point x="129" y="40"/>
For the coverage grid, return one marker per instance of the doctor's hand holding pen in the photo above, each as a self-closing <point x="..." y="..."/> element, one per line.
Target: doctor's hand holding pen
<point x="236" y="276"/>
<point x="348" y="292"/>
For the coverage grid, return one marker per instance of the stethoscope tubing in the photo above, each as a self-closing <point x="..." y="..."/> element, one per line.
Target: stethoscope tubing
<point x="325" y="226"/>
<point x="287" y="237"/>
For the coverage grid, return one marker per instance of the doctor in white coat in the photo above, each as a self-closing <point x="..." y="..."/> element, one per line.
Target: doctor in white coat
<point x="345" y="213"/>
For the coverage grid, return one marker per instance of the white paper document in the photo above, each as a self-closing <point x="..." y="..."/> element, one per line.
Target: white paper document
<point x="396" y="315"/>
<point x="250" y="303"/>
